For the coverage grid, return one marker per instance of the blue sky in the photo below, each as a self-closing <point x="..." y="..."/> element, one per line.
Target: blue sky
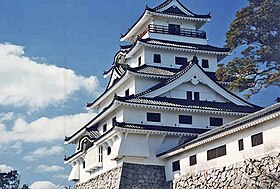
<point x="52" y="56"/>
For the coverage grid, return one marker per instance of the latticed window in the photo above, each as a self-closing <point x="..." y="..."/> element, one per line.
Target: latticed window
<point x="257" y="139"/>
<point x="193" y="160"/>
<point x="176" y="165"/>
<point x="185" y="119"/>
<point x="205" y="63"/>
<point x="157" y="58"/>
<point x="216" y="121"/>
<point x="153" y="117"/>
<point x="181" y="60"/>
<point x="240" y="144"/>
<point x="216" y="152"/>
<point x="100" y="154"/>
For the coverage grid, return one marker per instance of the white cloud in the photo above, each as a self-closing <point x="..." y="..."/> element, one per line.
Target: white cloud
<point x="61" y="176"/>
<point x="43" y="152"/>
<point x="46" y="168"/>
<point x="6" y="116"/>
<point x="5" y="168"/>
<point x="25" y="82"/>
<point x="43" y="185"/>
<point x="44" y="129"/>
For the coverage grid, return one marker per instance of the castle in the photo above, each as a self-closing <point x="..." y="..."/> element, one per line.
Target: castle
<point x="163" y="114"/>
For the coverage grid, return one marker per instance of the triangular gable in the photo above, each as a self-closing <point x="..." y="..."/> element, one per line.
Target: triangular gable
<point x="116" y="74"/>
<point x="173" y="6"/>
<point x="193" y="73"/>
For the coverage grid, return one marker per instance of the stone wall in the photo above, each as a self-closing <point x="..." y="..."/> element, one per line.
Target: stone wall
<point x="110" y="180"/>
<point x="135" y="176"/>
<point x="129" y="176"/>
<point x="263" y="172"/>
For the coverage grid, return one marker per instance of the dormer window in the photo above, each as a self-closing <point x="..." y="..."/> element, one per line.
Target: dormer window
<point x="157" y="58"/>
<point x="205" y="63"/>
<point x="174" y="29"/>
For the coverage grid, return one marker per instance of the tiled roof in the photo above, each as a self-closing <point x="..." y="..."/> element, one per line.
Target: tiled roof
<point x="153" y="70"/>
<point x="239" y="122"/>
<point x="176" y="11"/>
<point x="189" y="104"/>
<point x="161" y="128"/>
<point x="183" y="45"/>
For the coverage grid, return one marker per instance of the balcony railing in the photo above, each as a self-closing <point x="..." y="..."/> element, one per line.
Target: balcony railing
<point x="152" y="28"/>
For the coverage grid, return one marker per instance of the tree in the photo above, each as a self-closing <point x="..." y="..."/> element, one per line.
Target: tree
<point x="9" y="180"/>
<point x="255" y="31"/>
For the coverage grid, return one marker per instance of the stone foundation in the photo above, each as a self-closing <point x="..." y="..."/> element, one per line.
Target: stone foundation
<point x="252" y="173"/>
<point x="129" y="176"/>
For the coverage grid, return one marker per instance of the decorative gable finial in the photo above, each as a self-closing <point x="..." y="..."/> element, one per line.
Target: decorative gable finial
<point x="195" y="59"/>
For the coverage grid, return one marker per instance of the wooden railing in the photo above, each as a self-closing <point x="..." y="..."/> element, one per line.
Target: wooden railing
<point x="152" y="28"/>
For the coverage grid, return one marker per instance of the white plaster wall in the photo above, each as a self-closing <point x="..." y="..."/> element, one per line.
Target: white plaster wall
<point x="144" y="83"/>
<point x="206" y="93"/>
<point x="133" y="61"/>
<point x="168" y="58"/>
<point x="128" y="84"/>
<point x="271" y="142"/>
<point x="170" y="118"/>
<point x="108" y="120"/>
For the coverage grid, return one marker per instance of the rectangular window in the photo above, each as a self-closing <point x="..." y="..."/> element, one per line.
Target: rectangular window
<point x="153" y="117"/>
<point x="240" y="145"/>
<point x="205" y="63"/>
<point x="185" y="119"/>
<point x="139" y="61"/>
<point x="84" y="164"/>
<point x="193" y="160"/>
<point x="257" y="139"/>
<point x="189" y="95"/>
<point x="100" y="154"/>
<point x="127" y="92"/>
<point x="157" y="58"/>
<point x="176" y="166"/>
<point x="216" y="152"/>
<point x="104" y="128"/>
<point x="114" y="119"/>
<point x="216" y="121"/>
<point x="174" y="29"/>
<point x="196" y="96"/>
<point x="181" y="60"/>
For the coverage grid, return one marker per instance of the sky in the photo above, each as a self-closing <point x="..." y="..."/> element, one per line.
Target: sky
<point x="52" y="56"/>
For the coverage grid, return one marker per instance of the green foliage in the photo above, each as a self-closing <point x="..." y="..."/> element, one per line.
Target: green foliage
<point x="9" y="180"/>
<point x="255" y="30"/>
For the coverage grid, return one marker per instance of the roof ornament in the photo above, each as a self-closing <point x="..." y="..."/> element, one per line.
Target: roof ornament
<point x="195" y="59"/>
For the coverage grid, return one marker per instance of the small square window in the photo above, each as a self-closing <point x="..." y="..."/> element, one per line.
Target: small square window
<point x="185" y="119"/>
<point x="104" y="128"/>
<point x="176" y="166"/>
<point x="240" y="145"/>
<point x="181" y="60"/>
<point x="196" y="96"/>
<point x="157" y="58"/>
<point x="205" y="63"/>
<point x="153" y="117"/>
<point x="257" y="139"/>
<point x="216" y="121"/>
<point x="189" y="95"/>
<point x="193" y="160"/>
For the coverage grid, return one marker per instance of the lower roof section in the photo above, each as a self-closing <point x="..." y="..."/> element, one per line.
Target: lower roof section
<point x="188" y="104"/>
<point x="144" y="127"/>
